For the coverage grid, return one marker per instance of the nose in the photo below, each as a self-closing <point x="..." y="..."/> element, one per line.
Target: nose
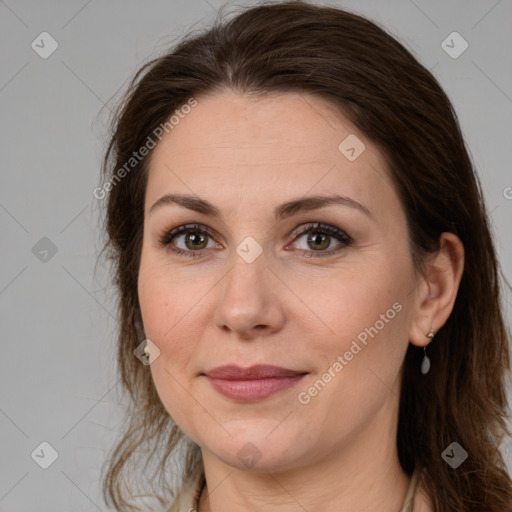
<point x="248" y="302"/>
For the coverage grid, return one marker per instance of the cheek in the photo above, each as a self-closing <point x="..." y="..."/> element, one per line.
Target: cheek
<point x="357" y="368"/>
<point x="170" y="314"/>
<point x="364" y="318"/>
<point x="345" y="303"/>
<point x="163" y="300"/>
<point x="166" y="316"/>
<point x="154" y="306"/>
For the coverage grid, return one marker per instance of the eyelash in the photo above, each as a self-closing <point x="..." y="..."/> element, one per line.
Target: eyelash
<point x="165" y="239"/>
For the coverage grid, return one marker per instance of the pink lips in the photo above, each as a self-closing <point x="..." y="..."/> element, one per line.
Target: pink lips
<point x="253" y="383"/>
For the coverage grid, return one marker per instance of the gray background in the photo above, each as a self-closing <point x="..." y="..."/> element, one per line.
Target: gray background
<point x="58" y="380"/>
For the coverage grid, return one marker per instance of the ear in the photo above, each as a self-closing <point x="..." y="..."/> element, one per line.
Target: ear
<point x="437" y="290"/>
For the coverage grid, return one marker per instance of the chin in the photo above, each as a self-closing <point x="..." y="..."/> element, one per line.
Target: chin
<point x="259" y="448"/>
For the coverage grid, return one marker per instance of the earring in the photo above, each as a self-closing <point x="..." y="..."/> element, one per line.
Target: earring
<point x="425" y="364"/>
<point x="146" y="353"/>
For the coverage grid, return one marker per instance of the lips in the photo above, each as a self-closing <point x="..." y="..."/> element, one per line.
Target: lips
<point x="261" y="371"/>
<point x="253" y="383"/>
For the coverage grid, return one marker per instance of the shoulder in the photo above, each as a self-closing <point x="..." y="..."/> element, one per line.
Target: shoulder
<point x="422" y="503"/>
<point x="185" y="500"/>
<point x="187" y="497"/>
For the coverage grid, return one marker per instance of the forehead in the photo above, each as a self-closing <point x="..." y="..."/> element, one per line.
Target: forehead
<point x="288" y="125"/>
<point x="260" y="147"/>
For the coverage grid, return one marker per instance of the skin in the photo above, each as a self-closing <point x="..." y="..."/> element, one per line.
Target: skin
<point x="287" y="308"/>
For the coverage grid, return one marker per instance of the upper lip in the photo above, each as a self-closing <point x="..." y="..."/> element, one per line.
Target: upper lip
<point x="259" y="371"/>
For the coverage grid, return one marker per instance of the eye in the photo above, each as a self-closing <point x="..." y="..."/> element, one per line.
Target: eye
<point x="195" y="238"/>
<point x="319" y="237"/>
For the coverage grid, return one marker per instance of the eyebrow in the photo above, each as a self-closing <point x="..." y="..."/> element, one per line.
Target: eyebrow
<point x="282" y="211"/>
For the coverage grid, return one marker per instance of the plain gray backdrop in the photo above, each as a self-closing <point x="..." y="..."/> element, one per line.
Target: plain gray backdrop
<point x="58" y="380"/>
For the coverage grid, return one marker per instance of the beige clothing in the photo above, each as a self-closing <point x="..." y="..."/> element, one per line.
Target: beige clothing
<point x="188" y="497"/>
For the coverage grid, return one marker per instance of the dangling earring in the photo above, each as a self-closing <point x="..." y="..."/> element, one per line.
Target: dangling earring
<point x="425" y="364"/>
<point x="146" y="353"/>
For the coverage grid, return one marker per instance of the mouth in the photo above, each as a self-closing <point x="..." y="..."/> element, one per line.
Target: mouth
<point x="253" y="383"/>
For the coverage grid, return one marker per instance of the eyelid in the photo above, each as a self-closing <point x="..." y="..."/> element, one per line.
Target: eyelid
<point x="319" y="226"/>
<point x="168" y="234"/>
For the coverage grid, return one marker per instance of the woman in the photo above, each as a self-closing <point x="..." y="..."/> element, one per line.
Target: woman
<point x="304" y="259"/>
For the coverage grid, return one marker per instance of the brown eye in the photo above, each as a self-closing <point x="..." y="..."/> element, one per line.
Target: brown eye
<point x="194" y="238"/>
<point x="319" y="238"/>
<point x="321" y="241"/>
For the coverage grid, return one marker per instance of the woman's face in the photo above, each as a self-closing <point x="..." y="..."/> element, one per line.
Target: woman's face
<point x="252" y="286"/>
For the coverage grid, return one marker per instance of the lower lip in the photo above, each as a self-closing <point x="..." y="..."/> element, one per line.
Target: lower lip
<point x="253" y="390"/>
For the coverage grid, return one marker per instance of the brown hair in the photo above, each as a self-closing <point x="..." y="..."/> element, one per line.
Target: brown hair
<point x="384" y="91"/>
